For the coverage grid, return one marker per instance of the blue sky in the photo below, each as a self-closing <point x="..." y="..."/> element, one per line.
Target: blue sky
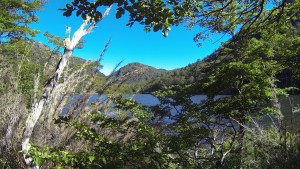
<point x="127" y="44"/>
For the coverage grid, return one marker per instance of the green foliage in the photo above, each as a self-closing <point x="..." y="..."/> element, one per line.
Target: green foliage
<point x="27" y="75"/>
<point x="15" y="16"/>
<point x="179" y="133"/>
<point x="271" y="148"/>
<point x="23" y="68"/>
<point x="130" y="135"/>
<point x="57" y="41"/>
<point x="190" y="74"/>
<point x="216" y="16"/>
<point x="115" y="141"/>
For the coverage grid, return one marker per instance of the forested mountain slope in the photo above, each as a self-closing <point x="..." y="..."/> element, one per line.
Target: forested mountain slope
<point x="133" y="77"/>
<point x="138" y="73"/>
<point x="30" y="59"/>
<point x="193" y="73"/>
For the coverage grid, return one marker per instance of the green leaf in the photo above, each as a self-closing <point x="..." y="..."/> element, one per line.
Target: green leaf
<point x="98" y="16"/>
<point x="78" y="12"/>
<point x="157" y="27"/>
<point x="69" y="6"/>
<point x="120" y="12"/>
<point x="67" y="13"/>
<point x="83" y="16"/>
<point x="147" y="30"/>
<point x="37" y="160"/>
<point x="91" y="158"/>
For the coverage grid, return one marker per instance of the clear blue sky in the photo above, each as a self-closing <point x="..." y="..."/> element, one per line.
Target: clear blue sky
<point x="128" y="44"/>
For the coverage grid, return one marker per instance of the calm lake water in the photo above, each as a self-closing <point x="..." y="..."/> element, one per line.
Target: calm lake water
<point x="290" y="106"/>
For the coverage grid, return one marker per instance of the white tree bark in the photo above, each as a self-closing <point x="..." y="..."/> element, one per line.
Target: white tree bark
<point x="69" y="45"/>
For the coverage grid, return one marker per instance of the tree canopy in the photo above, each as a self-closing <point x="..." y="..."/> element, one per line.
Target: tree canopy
<point x="15" y="16"/>
<point x="225" y="16"/>
<point x="218" y="132"/>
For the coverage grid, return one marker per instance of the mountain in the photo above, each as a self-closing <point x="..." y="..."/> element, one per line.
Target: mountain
<point x="133" y="77"/>
<point x="182" y="76"/>
<point x="288" y="77"/>
<point x="137" y="77"/>
<point x="138" y="73"/>
<point x="36" y="57"/>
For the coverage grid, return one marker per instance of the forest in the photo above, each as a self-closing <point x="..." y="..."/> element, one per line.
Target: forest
<point x="256" y="69"/>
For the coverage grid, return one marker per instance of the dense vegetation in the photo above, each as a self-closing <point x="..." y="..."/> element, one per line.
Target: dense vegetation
<point x="219" y="132"/>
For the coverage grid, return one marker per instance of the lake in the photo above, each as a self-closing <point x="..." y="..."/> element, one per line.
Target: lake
<point x="290" y="106"/>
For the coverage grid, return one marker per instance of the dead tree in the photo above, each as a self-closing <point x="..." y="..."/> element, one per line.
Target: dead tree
<point x="69" y="45"/>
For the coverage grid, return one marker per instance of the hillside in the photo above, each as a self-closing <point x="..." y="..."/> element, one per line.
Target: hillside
<point x="137" y="77"/>
<point x="34" y="58"/>
<point x="195" y="72"/>
<point x="192" y="73"/>
<point x="182" y="76"/>
<point x="133" y="77"/>
<point x="138" y="73"/>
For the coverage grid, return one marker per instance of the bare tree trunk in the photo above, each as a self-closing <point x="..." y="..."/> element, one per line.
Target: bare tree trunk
<point x="69" y="45"/>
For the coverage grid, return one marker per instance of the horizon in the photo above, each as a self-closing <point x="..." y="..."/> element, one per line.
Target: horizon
<point x="128" y="44"/>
